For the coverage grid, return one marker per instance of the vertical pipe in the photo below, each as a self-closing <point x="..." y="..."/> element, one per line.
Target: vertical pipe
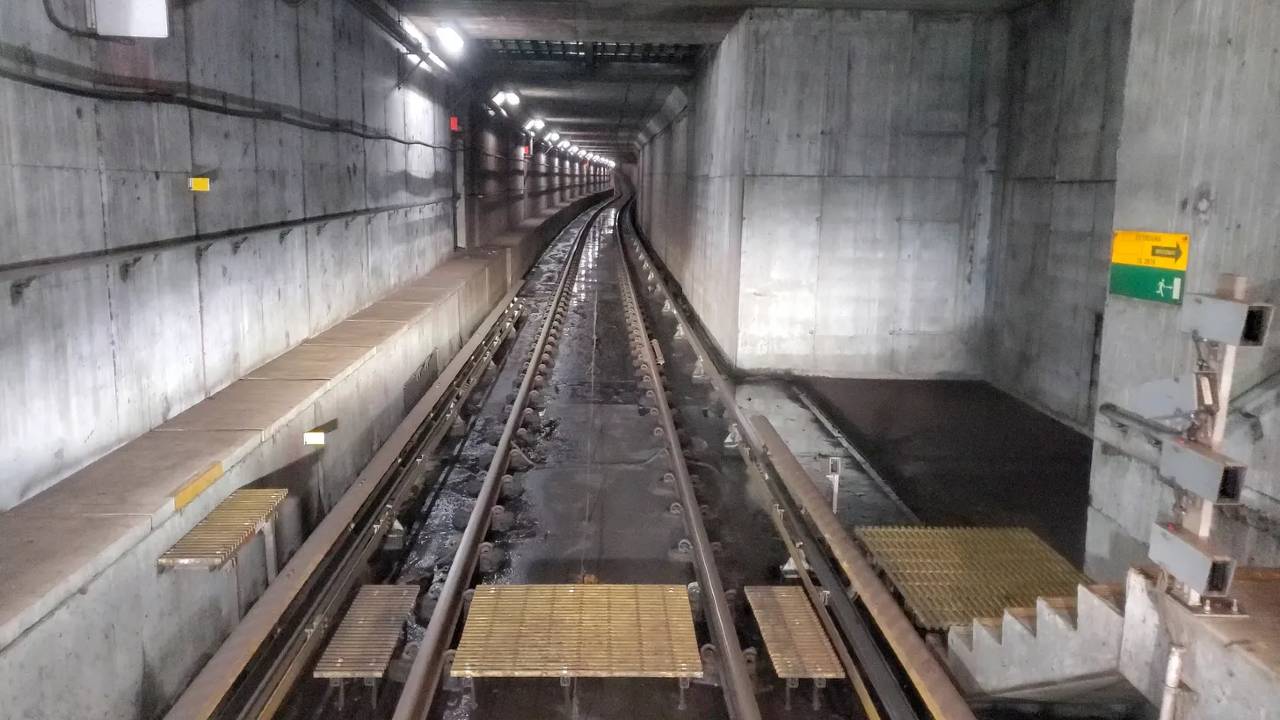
<point x="1172" y="683"/>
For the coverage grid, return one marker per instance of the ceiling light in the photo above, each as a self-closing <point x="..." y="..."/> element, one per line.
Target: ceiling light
<point x="513" y="99"/>
<point x="413" y="32"/>
<point x="499" y="98"/>
<point x="529" y="125"/>
<point x="538" y="124"/>
<point x="553" y="136"/>
<point x="450" y="39"/>
<point x="564" y="144"/>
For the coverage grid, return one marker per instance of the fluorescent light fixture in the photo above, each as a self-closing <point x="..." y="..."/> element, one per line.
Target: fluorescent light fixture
<point x="413" y="32"/>
<point x="450" y="40"/>
<point x="499" y="98"/>
<point x="513" y="99"/>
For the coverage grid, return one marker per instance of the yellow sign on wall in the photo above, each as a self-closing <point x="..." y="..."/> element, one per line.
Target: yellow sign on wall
<point x="1167" y="251"/>
<point x="1149" y="265"/>
<point x="198" y="184"/>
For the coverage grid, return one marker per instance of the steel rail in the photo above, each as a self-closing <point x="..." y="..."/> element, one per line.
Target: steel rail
<point x="930" y="680"/>
<point x="428" y="665"/>
<point x="738" y="688"/>
<point x="372" y="496"/>
<point x="927" y="674"/>
<point x="795" y="535"/>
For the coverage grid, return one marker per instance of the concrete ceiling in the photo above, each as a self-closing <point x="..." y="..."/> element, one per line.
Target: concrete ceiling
<point x="593" y="97"/>
<point x="642" y="21"/>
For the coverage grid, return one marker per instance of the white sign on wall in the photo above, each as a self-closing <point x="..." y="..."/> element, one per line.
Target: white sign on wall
<point x="130" y="18"/>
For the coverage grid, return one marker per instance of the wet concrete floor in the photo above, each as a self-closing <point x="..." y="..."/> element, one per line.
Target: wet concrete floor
<point x="965" y="453"/>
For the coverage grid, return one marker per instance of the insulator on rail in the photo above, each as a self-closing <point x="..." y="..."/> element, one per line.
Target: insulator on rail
<point x="531" y="419"/>
<point x="537" y="400"/>
<point x="699" y="370"/>
<point x="500" y="520"/>
<point x="512" y="487"/>
<point x="517" y="460"/>
<point x="490" y="558"/>
<point x="457" y="428"/>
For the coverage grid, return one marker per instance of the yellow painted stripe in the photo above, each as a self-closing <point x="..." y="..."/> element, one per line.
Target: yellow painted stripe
<point x="1167" y="251"/>
<point x="199" y="484"/>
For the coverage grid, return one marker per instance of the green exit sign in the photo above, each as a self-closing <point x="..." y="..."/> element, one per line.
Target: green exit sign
<point x="1149" y="266"/>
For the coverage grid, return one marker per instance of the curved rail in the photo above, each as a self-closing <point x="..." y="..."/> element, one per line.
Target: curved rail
<point x="428" y="665"/>
<point x="256" y="666"/>
<point x="738" y="688"/>
<point x="934" y="687"/>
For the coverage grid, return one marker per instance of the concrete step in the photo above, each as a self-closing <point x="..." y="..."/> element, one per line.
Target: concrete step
<point x="1059" y="640"/>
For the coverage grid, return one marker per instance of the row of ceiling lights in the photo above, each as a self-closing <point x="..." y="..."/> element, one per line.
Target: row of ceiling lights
<point x="452" y="43"/>
<point x="534" y="126"/>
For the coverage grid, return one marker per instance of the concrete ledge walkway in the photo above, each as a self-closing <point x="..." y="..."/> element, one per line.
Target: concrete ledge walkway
<point x="78" y="578"/>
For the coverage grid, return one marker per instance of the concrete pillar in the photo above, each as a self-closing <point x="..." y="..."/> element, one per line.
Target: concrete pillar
<point x="1197" y="155"/>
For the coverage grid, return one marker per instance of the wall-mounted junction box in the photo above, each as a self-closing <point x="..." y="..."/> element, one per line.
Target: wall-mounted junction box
<point x="1201" y="471"/>
<point x="1231" y="322"/>
<point x="1191" y="559"/>
<point x="129" y="18"/>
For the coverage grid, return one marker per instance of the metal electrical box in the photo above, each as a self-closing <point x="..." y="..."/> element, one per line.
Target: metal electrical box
<point x="1191" y="559"/>
<point x="1201" y="471"/>
<point x="1230" y="322"/>
<point x="130" y="18"/>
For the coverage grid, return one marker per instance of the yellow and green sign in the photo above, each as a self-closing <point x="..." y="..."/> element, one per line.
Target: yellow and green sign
<point x="1149" y="265"/>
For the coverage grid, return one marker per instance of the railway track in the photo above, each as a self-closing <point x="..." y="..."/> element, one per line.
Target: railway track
<point x="584" y="436"/>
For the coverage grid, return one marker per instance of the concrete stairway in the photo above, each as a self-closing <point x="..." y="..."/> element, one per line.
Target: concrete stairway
<point x="1061" y="639"/>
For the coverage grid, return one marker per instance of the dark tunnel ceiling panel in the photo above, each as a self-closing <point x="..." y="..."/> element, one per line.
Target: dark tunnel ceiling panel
<point x="639" y="21"/>
<point x="592" y="52"/>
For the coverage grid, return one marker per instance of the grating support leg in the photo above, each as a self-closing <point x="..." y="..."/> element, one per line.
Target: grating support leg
<point x="269" y="546"/>
<point x="683" y="684"/>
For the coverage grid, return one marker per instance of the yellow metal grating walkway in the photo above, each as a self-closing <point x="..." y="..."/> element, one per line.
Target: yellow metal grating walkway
<point x="950" y="576"/>
<point x="573" y="631"/>
<point x="361" y="647"/>
<point x="215" y="539"/>
<point x="796" y="641"/>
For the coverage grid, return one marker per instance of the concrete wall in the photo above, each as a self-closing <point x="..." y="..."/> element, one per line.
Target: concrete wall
<point x="97" y="354"/>
<point x="690" y="180"/>
<point x="1198" y="155"/>
<point x="504" y="185"/>
<point x="866" y="192"/>
<point x="1050" y="251"/>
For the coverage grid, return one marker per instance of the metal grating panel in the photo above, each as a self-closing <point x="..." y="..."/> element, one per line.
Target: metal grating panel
<point x="361" y="647"/>
<point x="950" y="576"/>
<point x="579" y="631"/>
<point x="215" y="539"/>
<point x="795" y="639"/>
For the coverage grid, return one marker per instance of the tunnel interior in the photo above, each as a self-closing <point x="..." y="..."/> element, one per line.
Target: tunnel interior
<point x="568" y="292"/>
